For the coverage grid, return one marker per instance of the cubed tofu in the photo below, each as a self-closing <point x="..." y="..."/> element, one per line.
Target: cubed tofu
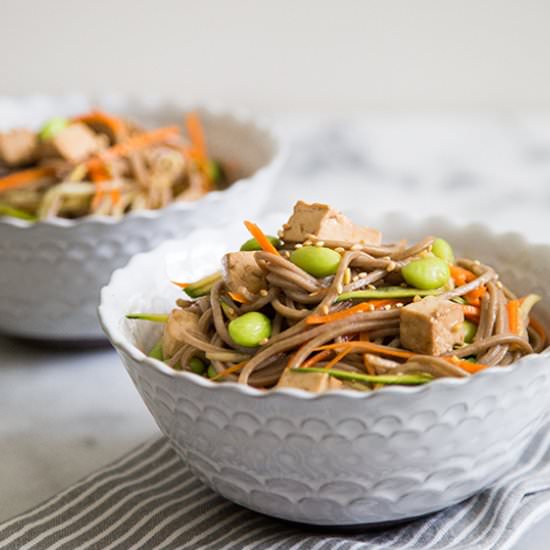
<point x="314" y="381"/>
<point x="431" y="326"/>
<point x="326" y="224"/>
<point x="242" y="274"/>
<point x="75" y="142"/>
<point x="18" y="147"/>
<point x="179" y="322"/>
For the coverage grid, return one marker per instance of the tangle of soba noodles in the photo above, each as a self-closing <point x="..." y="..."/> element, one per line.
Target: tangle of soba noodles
<point x="361" y="341"/>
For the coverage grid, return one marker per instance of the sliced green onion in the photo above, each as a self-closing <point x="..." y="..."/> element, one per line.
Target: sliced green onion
<point x="407" y="379"/>
<point x="154" y="317"/>
<point x="387" y="292"/>
<point x="203" y="286"/>
<point x="7" y="210"/>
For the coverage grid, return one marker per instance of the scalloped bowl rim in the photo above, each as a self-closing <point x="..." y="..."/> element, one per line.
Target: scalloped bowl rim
<point x="120" y="342"/>
<point x="242" y="116"/>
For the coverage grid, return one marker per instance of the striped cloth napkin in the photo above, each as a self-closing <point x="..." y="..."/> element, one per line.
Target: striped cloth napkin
<point x="149" y="499"/>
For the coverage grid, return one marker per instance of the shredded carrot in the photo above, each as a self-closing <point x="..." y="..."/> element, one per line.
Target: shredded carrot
<point x="25" y="177"/>
<point x="371" y="305"/>
<point x="314" y="359"/>
<point x="229" y="370"/>
<point x="461" y="276"/>
<point x="99" y="172"/>
<point x="538" y="328"/>
<point x="238" y="297"/>
<point x="115" y="124"/>
<point x="116" y="195"/>
<point x="471" y="312"/>
<point x="259" y="235"/>
<point x="134" y="143"/>
<point x="369" y="346"/>
<point x="474" y="296"/>
<point x="196" y="135"/>
<point x="513" y="315"/>
<point x="466" y="365"/>
<point x="337" y="359"/>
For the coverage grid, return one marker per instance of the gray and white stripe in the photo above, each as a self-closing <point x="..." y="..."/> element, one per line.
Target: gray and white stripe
<point x="150" y="499"/>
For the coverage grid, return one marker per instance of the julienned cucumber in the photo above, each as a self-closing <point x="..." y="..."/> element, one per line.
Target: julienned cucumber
<point x="387" y="292"/>
<point x="203" y="286"/>
<point x="407" y="379"/>
<point x="154" y="317"/>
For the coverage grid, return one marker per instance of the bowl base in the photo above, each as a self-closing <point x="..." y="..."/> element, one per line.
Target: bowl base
<point x="59" y="344"/>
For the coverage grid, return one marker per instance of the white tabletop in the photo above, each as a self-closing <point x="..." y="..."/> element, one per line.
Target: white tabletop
<point x="65" y="413"/>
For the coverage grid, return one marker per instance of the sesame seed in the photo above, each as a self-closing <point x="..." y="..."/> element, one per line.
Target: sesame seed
<point x="362" y="275"/>
<point x="386" y="258"/>
<point x="355" y="279"/>
<point x="499" y="284"/>
<point x="387" y="307"/>
<point x="263" y="292"/>
<point x="298" y="245"/>
<point x="308" y="242"/>
<point x="417" y="298"/>
<point x="391" y="266"/>
<point x="320" y="243"/>
<point x="477" y="262"/>
<point x="282" y="243"/>
<point x="356" y="246"/>
<point x="399" y="304"/>
<point x="371" y="287"/>
<point x="264" y="341"/>
<point x="340" y="288"/>
<point x="339" y="249"/>
<point x="371" y="307"/>
<point x="324" y="309"/>
<point x="286" y="253"/>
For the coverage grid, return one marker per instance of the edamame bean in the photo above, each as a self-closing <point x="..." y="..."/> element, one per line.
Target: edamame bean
<point x="52" y="127"/>
<point x="316" y="260"/>
<point x="426" y="273"/>
<point x="211" y="372"/>
<point x="196" y="365"/>
<point x="442" y="249"/>
<point x="470" y="330"/>
<point x="252" y="244"/>
<point x="250" y="330"/>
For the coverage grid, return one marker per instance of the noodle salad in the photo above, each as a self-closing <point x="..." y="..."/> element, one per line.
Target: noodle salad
<point x="326" y="305"/>
<point x="98" y="163"/>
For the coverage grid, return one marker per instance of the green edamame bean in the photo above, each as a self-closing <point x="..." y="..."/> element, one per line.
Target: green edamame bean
<point x="316" y="260"/>
<point x="250" y="329"/>
<point x="252" y="244"/>
<point x="52" y="127"/>
<point x="470" y="330"/>
<point x="197" y="366"/>
<point x="211" y="372"/>
<point x="426" y="273"/>
<point x="442" y="249"/>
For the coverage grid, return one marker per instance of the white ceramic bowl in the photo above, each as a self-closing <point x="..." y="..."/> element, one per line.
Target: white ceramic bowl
<point x="51" y="272"/>
<point x="344" y="457"/>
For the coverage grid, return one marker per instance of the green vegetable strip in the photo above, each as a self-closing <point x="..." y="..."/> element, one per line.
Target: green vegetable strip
<point x="156" y="351"/>
<point x="7" y="210"/>
<point x="407" y="379"/>
<point x="203" y="286"/>
<point x="154" y="317"/>
<point x="387" y="292"/>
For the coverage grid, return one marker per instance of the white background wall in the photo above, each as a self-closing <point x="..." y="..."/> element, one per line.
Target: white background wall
<point x="338" y="56"/>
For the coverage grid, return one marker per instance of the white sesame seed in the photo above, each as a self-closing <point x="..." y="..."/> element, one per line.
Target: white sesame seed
<point x="264" y="341"/>
<point x="417" y="298"/>
<point x="340" y="288"/>
<point x="499" y="284"/>
<point x="399" y="304"/>
<point x="387" y="307"/>
<point x="391" y="266"/>
<point x="298" y="245"/>
<point x="362" y="275"/>
<point x="356" y="246"/>
<point x="324" y="309"/>
<point x="308" y="242"/>
<point x="355" y="278"/>
<point x="339" y="249"/>
<point x="477" y="262"/>
<point x="320" y="243"/>
<point x="371" y="287"/>
<point x="263" y="292"/>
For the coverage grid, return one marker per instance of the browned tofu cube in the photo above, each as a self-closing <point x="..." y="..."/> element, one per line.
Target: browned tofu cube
<point x="431" y="326"/>
<point x="179" y="322"/>
<point x="314" y="381"/>
<point x="326" y="224"/>
<point x="18" y="147"/>
<point x="242" y="274"/>
<point x="75" y="142"/>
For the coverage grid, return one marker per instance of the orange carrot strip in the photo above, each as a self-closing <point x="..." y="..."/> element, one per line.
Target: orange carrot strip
<point x="513" y="315"/>
<point x="196" y="135"/>
<point x="369" y="346"/>
<point x="134" y="143"/>
<point x="371" y="305"/>
<point x="461" y="276"/>
<point x="471" y="312"/>
<point x="25" y="177"/>
<point x="466" y="365"/>
<point x="538" y="328"/>
<point x="116" y="195"/>
<point x="237" y="297"/>
<point x="229" y="370"/>
<point x="474" y="296"/>
<point x="314" y="359"/>
<point x="181" y="285"/>
<point x="337" y="359"/>
<point x="259" y="235"/>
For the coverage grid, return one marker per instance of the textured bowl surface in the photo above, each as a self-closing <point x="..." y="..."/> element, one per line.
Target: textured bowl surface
<point x="343" y="457"/>
<point x="51" y="272"/>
